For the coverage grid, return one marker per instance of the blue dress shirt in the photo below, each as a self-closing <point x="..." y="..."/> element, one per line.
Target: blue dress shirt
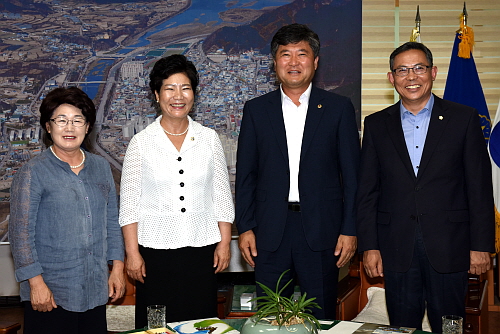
<point x="415" y="130"/>
<point x="65" y="227"/>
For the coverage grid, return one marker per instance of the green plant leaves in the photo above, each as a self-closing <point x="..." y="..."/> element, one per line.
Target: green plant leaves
<point x="285" y="310"/>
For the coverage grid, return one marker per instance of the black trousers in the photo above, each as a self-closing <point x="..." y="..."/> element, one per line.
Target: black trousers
<point x="61" y="321"/>
<point x="316" y="272"/>
<point x="182" y="279"/>
<point x="409" y="293"/>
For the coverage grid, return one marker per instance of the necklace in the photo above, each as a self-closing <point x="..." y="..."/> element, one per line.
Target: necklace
<point x="176" y="134"/>
<point x="73" y="167"/>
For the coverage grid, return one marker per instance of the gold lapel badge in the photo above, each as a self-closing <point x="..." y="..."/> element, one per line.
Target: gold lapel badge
<point x="440" y="118"/>
<point x="320" y="106"/>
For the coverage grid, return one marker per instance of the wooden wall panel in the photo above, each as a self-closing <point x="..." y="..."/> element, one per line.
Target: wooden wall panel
<point x="386" y="26"/>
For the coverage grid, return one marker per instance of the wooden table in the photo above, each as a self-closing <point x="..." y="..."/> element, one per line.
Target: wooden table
<point x="238" y="323"/>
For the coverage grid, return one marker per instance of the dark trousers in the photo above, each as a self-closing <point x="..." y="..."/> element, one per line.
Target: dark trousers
<point x="61" y="321"/>
<point x="316" y="272"/>
<point x="409" y="293"/>
<point x="182" y="279"/>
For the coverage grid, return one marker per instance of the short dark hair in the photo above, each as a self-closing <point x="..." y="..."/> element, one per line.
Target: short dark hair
<point x="295" y="33"/>
<point x="165" y="67"/>
<point x="73" y="96"/>
<point x="411" y="46"/>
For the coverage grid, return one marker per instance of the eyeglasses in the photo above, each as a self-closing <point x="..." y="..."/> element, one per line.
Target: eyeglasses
<point x="417" y="69"/>
<point x="62" y="122"/>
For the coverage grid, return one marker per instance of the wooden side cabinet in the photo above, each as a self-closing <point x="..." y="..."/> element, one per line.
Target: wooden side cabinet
<point x="476" y="320"/>
<point x="348" y="298"/>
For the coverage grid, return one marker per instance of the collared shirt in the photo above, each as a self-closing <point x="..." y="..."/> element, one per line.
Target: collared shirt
<point x="65" y="227"/>
<point x="176" y="197"/>
<point x="415" y="130"/>
<point x="295" y="119"/>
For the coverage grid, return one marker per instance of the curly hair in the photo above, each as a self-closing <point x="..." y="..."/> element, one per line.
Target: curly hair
<point x="73" y="96"/>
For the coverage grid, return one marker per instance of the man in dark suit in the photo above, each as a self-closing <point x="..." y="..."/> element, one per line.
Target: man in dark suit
<point x="425" y="201"/>
<point x="296" y="179"/>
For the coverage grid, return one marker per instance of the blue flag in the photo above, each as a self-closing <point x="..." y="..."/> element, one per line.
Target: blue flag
<point x="463" y="86"/>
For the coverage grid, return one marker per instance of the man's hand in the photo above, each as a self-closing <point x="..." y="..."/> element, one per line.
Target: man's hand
<point x="136" y="268"/>
<point x="248" y="247"/>
<point x="480" y="262"/>
<point x="346" y="246"/>
<point x="372" y="261"/>
<point x="116" y="281"/>
<point x="41" y="297"/>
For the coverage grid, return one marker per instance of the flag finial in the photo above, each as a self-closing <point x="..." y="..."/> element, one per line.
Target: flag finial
<point x="463" y="18"/>
<point x="415" y="34"/>
<point x="466" y="34"/>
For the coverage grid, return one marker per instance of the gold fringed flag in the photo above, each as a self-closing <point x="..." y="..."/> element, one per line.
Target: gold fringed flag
<point x="462" y="84"/>
<point x="466" y="36"/>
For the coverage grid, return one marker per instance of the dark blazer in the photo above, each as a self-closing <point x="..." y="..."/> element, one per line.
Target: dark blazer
<point x="327" y="174"/>
<point x="451" y="198"/>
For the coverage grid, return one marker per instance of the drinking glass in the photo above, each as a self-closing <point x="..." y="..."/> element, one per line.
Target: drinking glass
<point x="156" y="316"/>
<point x="452" y="324"/>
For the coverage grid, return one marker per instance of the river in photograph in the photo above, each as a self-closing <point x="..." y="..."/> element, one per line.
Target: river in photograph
<point x="203" y="11"/>
<point x="96" y="73"/>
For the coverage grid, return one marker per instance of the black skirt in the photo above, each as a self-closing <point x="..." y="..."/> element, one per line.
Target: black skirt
<point x="61" y="321"/>
<point x="182" y="279"/>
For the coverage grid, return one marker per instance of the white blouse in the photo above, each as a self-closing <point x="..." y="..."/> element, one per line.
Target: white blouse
<point x="177" y="198"/>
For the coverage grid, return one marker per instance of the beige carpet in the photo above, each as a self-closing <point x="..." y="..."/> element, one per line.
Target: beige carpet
<point x="120" y="318"/>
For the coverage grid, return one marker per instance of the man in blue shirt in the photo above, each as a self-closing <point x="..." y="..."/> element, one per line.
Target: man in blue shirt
<point x="425" y="202"/>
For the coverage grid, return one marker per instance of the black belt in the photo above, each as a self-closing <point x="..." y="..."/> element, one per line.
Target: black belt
<point x="294" y="206"/>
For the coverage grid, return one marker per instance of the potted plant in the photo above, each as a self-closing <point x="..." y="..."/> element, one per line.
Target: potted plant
<point x="278" y="313"/>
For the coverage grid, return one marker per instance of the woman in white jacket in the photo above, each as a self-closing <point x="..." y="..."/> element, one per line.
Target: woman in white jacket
<point x="176" y="206"/>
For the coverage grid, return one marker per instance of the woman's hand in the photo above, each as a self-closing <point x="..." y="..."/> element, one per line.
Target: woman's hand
<point x="40" y="295"/>
<point x="136" y="268"/>
<point x="116" y="281"/>
<point x="222" y="255"/>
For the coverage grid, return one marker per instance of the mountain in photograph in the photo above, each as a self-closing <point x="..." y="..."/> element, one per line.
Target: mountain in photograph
<point x="338" y="24"/>
<point x="23" y="6"/>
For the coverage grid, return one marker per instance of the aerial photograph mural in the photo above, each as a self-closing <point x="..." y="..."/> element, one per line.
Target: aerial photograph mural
<point x="108" y="47"/>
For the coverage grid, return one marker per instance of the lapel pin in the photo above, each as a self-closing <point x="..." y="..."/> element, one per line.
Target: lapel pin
<point x="192" y="138"/>
<point x="320" y="106"/>
<point x="440" y="118"/>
